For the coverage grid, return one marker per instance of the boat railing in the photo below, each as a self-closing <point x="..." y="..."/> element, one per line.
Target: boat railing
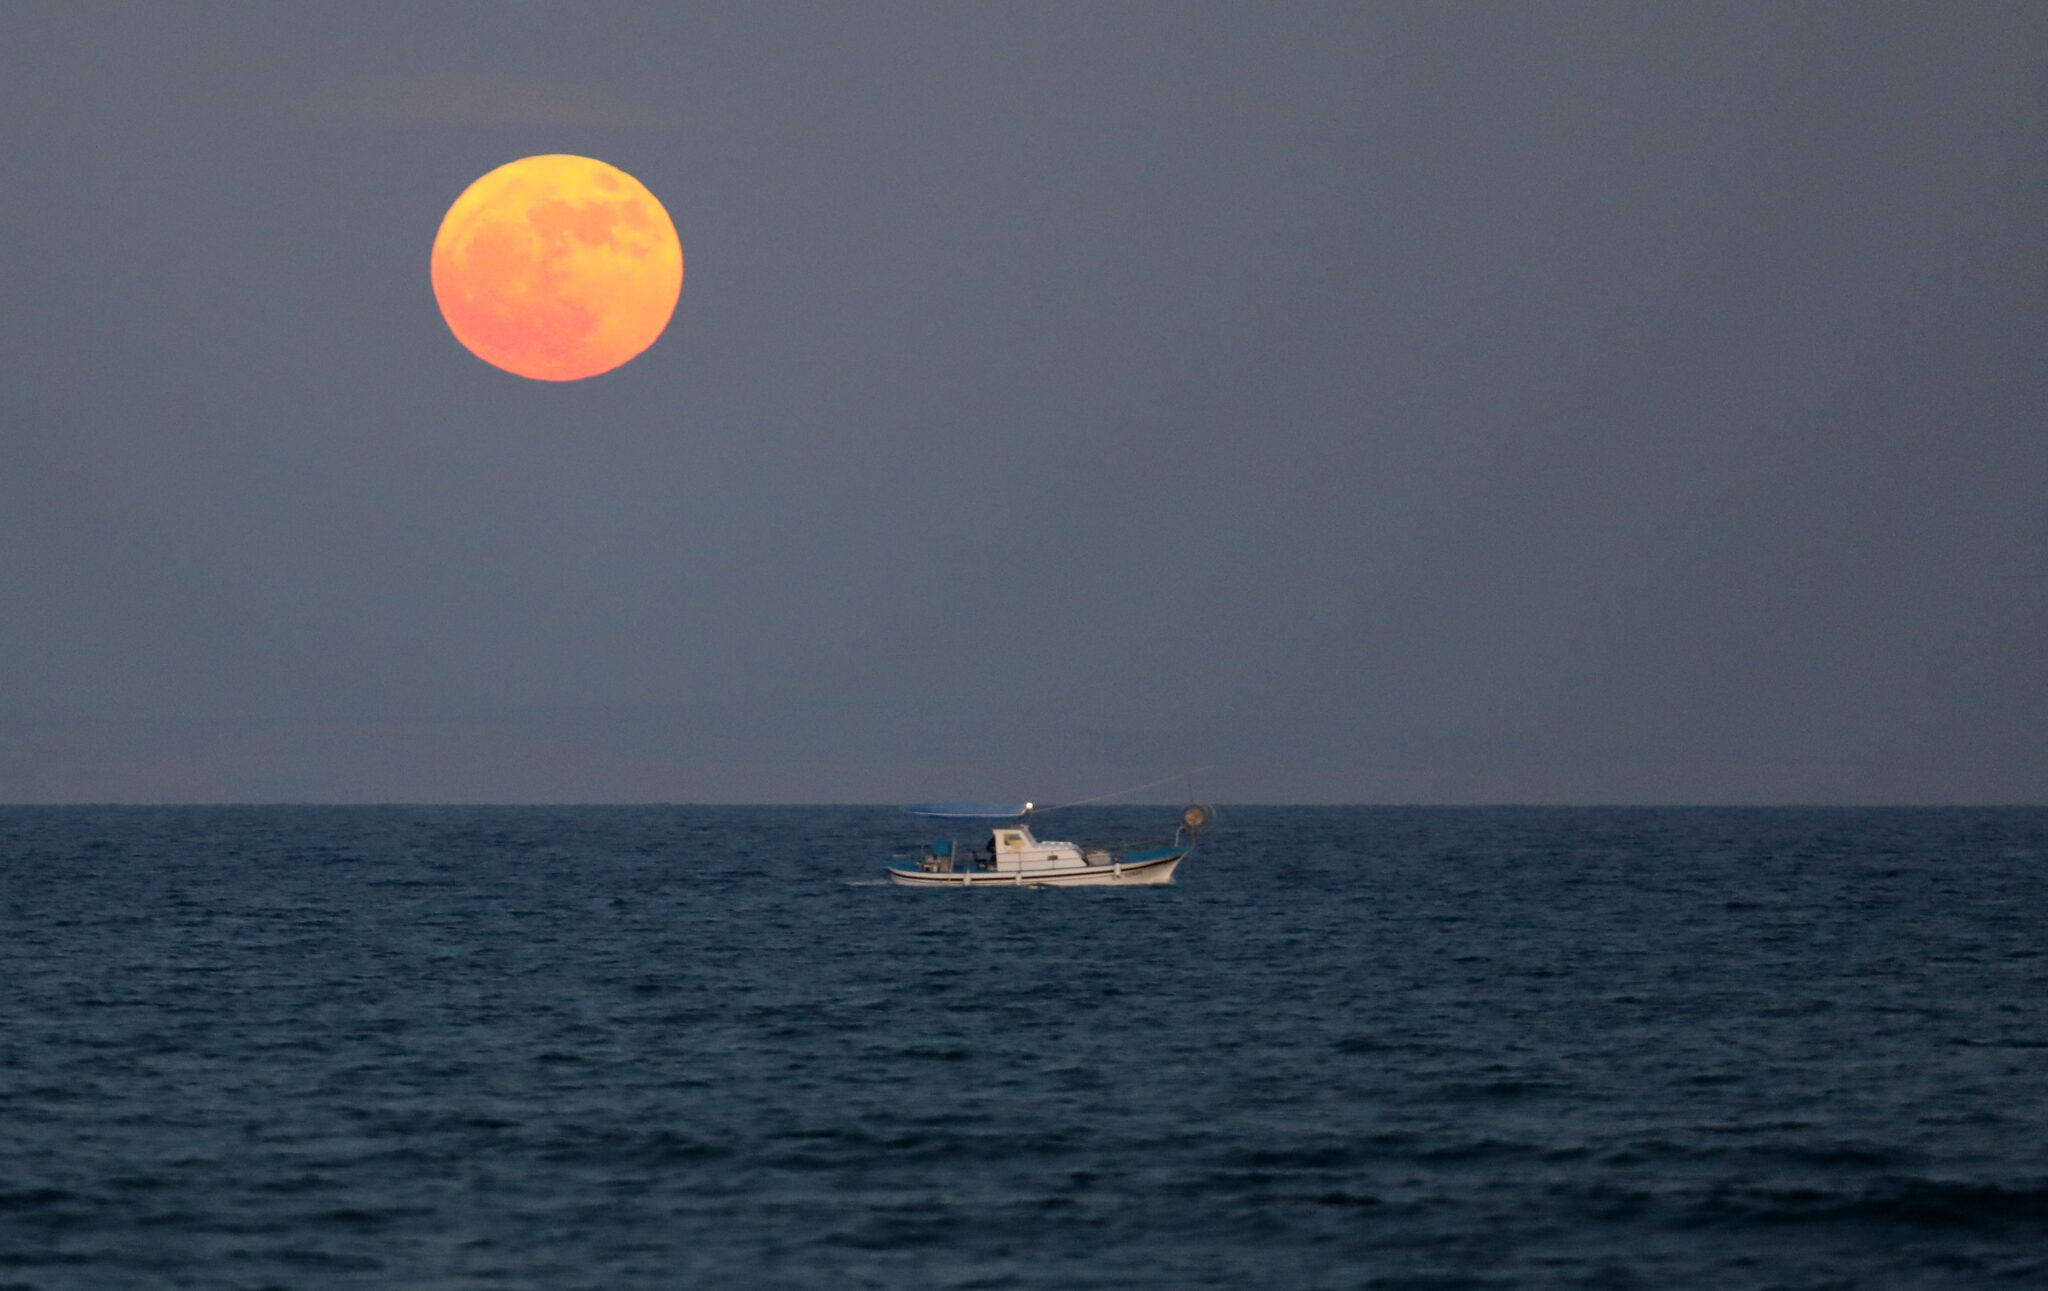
<point x="948" y="856"/>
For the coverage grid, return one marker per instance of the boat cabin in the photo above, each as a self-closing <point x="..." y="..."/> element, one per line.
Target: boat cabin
<point x="1014" y="848"/>
<point x="1010" y="848"/>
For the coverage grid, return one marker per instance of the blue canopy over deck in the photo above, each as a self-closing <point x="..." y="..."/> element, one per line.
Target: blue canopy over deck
<point x="969" y="810"/>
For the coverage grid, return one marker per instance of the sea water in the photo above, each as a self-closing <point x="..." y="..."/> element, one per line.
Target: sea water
<point x="616" y="1048"/>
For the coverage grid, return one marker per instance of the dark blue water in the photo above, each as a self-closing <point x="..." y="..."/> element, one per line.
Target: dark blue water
<point x="660" y="1047"/>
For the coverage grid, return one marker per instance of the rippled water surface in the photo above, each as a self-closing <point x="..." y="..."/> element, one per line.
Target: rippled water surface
<point x="658" y="1047"/>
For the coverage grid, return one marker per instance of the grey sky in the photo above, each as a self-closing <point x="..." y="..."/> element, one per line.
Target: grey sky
<point x="1389" y="402"/>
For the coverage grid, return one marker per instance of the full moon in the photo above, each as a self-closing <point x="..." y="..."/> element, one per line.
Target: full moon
<point x="557" y="267"/>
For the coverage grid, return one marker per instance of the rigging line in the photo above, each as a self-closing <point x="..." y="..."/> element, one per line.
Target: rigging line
<point x="1082" y="802"/>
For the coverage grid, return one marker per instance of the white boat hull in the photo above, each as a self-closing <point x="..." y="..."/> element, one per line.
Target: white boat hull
<point x="1116" y="873"/>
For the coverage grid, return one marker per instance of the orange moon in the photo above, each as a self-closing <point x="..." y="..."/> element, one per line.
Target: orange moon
<point x="557" y="267"/>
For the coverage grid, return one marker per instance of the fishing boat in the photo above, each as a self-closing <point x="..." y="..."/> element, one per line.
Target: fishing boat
<point x="1012" y="856"/>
